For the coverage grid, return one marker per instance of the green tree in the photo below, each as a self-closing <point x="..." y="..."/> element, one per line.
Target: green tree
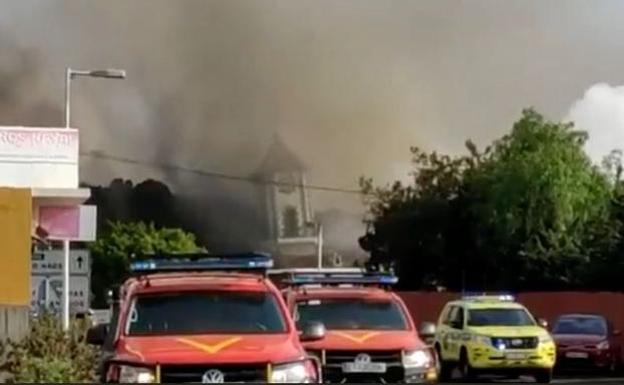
<point x="112" y="252"/>
<point x="607" y="267"/>
<point x="420" y="228"/>
<point x="529" y="212"/>
<point x="540" y="201"/>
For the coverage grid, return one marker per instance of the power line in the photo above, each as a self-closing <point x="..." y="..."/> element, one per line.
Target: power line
<point x="213" y="174"/>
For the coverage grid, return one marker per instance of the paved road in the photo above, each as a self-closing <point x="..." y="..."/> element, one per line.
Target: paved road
<point x="581" y="380"/>
<point x="577" y="381"/>
<point x="588" y="380"/>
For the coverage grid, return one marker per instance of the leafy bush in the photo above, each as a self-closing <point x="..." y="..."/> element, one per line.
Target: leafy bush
<point x="48" y="354"/>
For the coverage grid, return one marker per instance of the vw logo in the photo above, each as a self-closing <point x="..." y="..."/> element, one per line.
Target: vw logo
<point x="363" y="359"/>
<point x="213" y="376"/>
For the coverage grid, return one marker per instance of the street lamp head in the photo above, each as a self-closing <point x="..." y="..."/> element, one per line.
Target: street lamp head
<point x="108" y="73"/>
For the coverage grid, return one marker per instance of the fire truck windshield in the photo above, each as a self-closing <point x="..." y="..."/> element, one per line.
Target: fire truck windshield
<point x="215" y="312"/>
<point x="352" y="313"/>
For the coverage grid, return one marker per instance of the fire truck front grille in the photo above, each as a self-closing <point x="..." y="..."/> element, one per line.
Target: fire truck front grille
<point x="200" y="373"/>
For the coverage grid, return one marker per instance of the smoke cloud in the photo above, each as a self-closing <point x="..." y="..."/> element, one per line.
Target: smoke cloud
<point x="18" y="76"/>
<point x="349" y="84"/>
<point x="600" y="112"/>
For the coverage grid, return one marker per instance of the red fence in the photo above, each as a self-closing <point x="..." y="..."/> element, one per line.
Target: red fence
<point x="426" y="306"/>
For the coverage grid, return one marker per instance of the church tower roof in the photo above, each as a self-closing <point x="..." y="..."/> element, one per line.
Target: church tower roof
<point x="279" y="158"/>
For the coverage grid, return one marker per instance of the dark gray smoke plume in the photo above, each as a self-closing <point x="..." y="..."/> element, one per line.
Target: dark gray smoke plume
<point x="18" y="78"/>
<point x="349" y="84"/>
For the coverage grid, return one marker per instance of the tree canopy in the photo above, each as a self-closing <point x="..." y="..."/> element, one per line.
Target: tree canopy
<point x="121" y="242"/>
<point x="528" y="212"/>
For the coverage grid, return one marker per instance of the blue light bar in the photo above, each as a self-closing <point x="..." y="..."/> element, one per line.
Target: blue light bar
<point x="338" y="279"/>
<point x="202" y="262"/>
<point x="482" y="297"/>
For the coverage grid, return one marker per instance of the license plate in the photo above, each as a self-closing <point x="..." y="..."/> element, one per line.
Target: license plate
<point x="577" y="355"/>
<point x="515" y="356"/>
<point x="357" y="367"/>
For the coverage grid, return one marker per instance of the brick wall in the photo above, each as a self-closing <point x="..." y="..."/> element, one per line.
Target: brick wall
<point x="426" y="306"/>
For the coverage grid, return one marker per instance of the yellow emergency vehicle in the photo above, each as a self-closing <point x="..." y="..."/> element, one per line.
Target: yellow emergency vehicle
<point x="493" y="335"/>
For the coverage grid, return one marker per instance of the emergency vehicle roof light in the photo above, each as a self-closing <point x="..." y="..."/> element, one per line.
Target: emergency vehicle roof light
<point x="481" y="297"/>
<point x="322" y="270"/>
<point x="201" y="262"/>
<point x="338" y="277"/>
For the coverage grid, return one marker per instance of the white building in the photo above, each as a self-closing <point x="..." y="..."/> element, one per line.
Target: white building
<point x="39" y="198"/>
<point x="293" y="235"/>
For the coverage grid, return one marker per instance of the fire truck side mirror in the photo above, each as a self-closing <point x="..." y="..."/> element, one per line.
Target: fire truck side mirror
<point x="97" y="334"/>
<point x="313" y="331"/>
<point x="427" y="332"/>
<point x="427" y="329"/>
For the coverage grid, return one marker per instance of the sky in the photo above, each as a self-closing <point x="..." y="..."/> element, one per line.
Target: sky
<point x="349" y="84"/>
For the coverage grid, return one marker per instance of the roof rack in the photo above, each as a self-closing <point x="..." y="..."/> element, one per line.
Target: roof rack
<point x="335" y="276"/>
<point x="242" y="262"/>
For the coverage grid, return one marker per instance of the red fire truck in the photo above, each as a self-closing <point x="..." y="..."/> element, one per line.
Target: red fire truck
<point x="370" y="334"/>
<point x="203" y="319"/>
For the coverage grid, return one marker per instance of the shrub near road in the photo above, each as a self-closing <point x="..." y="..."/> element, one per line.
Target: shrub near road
<point x="48" y="354"/>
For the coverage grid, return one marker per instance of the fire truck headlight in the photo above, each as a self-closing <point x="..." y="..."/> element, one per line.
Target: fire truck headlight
<point x="303" y="372"/>
<point x="136" y="374"/>
<point x="420" y="358"/>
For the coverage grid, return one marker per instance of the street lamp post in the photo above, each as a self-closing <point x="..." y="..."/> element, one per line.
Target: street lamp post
<point x="69" y="75"/>
<point x="319" y="245"/>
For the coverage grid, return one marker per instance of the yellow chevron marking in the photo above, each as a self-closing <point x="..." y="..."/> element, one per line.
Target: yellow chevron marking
<point x="359" y="339"/>
<point x="211" y="348"/>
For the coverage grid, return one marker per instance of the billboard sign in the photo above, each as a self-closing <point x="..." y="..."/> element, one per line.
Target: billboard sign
<point x="38" y="157"/>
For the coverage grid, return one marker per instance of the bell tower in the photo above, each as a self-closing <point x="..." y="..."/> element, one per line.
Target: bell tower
<point x="286" y="199"/>
<point x="290" y="223"/>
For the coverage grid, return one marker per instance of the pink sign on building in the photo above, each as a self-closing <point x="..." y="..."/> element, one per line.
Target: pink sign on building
<point x="68" y="222"/>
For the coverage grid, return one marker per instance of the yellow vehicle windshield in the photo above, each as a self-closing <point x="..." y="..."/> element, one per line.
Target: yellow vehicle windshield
<point x="499" y="317"/>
